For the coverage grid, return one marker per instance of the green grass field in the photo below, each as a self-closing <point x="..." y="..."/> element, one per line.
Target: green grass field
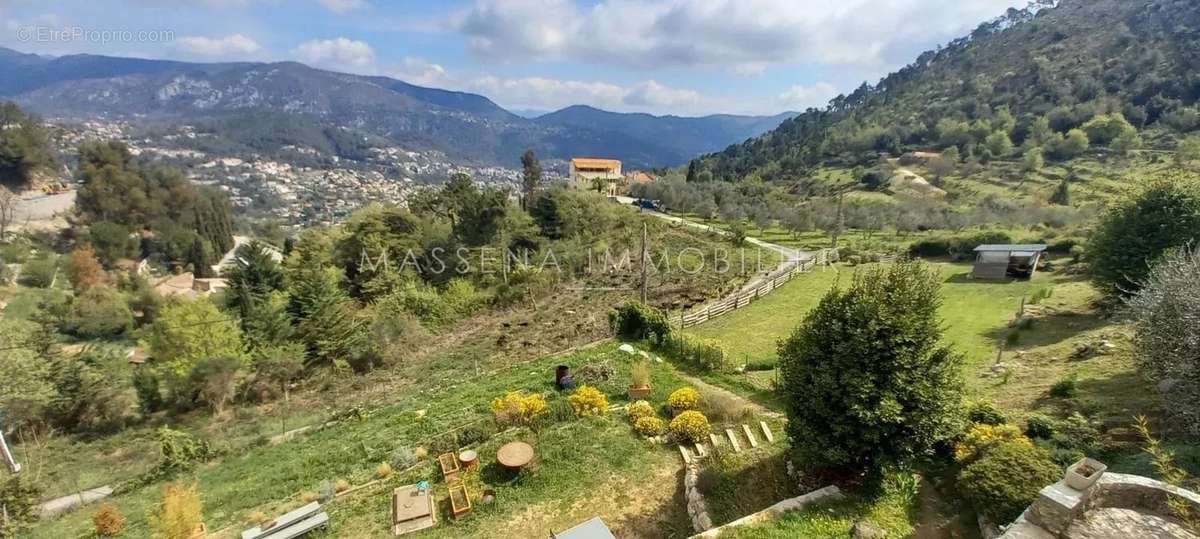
<point x="976" y="317"/>
<point x="627" y="480"/>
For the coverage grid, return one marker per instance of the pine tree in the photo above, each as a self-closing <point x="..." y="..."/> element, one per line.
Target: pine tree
<point x="531" y="177"/>
<point x="693" y="171"/>
<point x="199" y="259"/>
<point x="1062" y="195"/>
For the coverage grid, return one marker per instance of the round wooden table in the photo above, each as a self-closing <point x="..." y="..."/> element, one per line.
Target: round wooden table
<point x="515" y="455"/>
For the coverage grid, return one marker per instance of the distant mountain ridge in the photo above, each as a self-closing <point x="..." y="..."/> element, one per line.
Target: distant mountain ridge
<point x="306" y="100"/>
<point x="1061" y="61"/>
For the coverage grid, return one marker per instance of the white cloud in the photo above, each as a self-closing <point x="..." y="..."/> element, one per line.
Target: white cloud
<point x="546" y="93"/>
<point x="743" y="35"/>
<point x="235" y="44"/>
<point x="655" y="96"/>
<point x="421" y="72"/>
<point x="800" y="97"/>
<point x="340" y="53"/>
<point x="343" y="6"/>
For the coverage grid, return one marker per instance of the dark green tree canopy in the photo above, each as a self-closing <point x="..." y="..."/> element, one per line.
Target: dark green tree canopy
<point x="23" y="145"/>
<point x="866" y="380"/>
<point x="1163" y="214"/>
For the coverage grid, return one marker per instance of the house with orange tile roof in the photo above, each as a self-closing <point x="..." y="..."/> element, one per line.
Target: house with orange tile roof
<point x="593" y="172"/>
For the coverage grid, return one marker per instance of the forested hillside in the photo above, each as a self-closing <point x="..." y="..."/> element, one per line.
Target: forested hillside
<point x="1022" y="82"/>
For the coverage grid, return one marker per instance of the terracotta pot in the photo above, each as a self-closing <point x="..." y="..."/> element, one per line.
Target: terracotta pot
<point x="639" y="393"/>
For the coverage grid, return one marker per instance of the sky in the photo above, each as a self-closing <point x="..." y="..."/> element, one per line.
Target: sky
<point x="684" y="57"/>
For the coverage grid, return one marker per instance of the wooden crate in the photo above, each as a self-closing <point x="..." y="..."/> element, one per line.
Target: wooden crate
<point x="448" y="462"/>
<point x="460" y="500"/>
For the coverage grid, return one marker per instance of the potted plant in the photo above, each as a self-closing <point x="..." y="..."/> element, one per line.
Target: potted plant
<point x="639" y="381"/>
<point x="1083" y="474"/>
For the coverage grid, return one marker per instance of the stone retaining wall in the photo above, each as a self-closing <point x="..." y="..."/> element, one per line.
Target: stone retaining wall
<point x="791" y="504"/>
<point x="1058" y="505"/>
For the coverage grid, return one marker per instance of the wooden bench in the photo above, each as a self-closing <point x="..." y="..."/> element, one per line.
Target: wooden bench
<point x="290" y="525"/>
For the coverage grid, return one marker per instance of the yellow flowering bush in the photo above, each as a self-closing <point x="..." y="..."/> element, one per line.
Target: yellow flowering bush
<point x="683" y="399"/>
<point x="649" y="426"/>
<point x="638" y="410"/>
<point x="588" y="401"/>
<point x="690" y="426"/>
<point x="518" y="407"/>
<point x="982" y="436"/>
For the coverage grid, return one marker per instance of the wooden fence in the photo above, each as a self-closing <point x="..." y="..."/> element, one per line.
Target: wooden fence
<point x="746" y="297"/>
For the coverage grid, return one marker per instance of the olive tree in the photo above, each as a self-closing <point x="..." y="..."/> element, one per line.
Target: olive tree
<point x="866" y="380"/>
<point x="1166" y="313"/>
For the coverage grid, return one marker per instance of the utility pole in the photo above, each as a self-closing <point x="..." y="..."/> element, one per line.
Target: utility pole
<point x="645" y="294"/>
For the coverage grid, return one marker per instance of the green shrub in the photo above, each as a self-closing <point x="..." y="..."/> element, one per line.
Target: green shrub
<point x="181" y="450"/>
<point x="958" y="247"/>
<point x="985" y="413"/>
<point x="1065" y="388"/>
<point x="39" y="272"/>
<point x="1039" y="427"/>
<point x="1064" y="456"/>
<point x="1006" y="478"/>
<point x="98" y="313"/>
<point x="473" y="434"/>
<point x="1075" y="432"/>
<point x="704" y="354"/>
<point x="145" y="384"/>
<point x="637" y="321"/>
<point x="20" y="498"/>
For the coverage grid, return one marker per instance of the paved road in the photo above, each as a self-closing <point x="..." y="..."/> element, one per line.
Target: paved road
<point x="37" y="211"/>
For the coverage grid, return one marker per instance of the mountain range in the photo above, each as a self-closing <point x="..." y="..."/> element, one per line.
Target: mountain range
<point x="1061" y="62"/>
<point x="291" y="103"/>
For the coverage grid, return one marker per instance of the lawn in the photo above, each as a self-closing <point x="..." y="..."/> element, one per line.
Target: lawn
<point x="895" y="512"/>
<point x="586" y="467"/>
<point x="976" y="316"/>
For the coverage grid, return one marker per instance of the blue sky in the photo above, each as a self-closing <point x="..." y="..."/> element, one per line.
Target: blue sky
<point x="687" y="57"/>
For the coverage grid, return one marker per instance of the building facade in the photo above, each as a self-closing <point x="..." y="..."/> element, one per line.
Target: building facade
<point x="587" y="172"/>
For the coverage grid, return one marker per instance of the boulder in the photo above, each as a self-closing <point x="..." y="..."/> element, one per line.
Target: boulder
<point x="865" y="530"/>
<point x="627" y="349"/>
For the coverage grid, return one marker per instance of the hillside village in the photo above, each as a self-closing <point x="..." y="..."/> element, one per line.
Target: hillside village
<point x="959" y="303"/>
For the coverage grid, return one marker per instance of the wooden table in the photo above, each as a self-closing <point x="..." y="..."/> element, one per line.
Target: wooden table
<point x="515" y="455"/>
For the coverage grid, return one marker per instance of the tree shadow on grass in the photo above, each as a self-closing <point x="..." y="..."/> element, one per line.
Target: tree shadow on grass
<point x="965" y="278"/>
<point x="1049" y="330"/>
<point x="1119" y="397"/>
<point x="668" y="520"/>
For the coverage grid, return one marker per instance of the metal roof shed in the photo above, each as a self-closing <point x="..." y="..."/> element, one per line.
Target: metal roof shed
<point x="592" y="529"/>
<point x="1003" y="261"/>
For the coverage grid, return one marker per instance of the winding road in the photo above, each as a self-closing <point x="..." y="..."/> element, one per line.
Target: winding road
<point x="790" y="255"/>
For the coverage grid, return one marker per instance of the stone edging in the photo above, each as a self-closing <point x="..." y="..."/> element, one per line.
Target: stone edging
<point x="791" y="504"/>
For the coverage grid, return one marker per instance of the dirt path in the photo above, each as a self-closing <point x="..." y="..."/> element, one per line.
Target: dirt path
<point x="705" y="386"/>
